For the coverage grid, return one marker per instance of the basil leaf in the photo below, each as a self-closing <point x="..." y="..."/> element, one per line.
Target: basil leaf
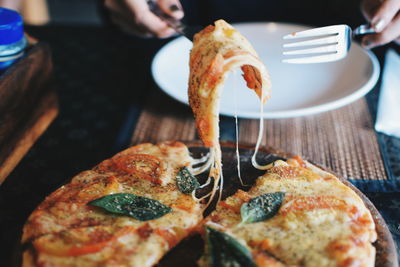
<point x="186" y="182"/>
<point x="140" y="208"/>
<point x="262" y="207"/>
<point x="224" y="250"/>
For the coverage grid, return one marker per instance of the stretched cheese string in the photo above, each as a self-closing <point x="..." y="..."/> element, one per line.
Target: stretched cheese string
<point x="201" y="160"/>
<point x="201" y="198"/>
<point x="207" y="158"/>
<point x="259" y="138"/>
<point x="214" y="174"/>
<point x="235" y="82"/>
<point x="219" y="181"/>
<point x="210" y="162"/>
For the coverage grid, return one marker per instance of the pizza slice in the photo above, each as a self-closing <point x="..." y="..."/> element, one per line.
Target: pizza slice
<point x="127" y="211"/>
<point x="218" y="50"/>
<point x="295" y="215"/>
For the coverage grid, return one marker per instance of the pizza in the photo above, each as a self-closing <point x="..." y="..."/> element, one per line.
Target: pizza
<point x="133" y="208"/>
<point x="127" y="211"/>
<point x="295" y="215"/>
<point x="217" y="50"/>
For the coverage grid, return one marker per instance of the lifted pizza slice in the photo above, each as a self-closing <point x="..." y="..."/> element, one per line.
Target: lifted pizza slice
<point x="218" y="50"/>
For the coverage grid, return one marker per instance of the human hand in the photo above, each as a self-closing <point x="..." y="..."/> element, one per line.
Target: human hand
<point x="11" y="4"/>
<point x="384" y="17"/>
<point x="134" y="17"/>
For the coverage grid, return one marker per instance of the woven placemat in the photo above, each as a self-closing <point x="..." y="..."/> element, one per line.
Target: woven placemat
<point x="342" y="140"/>
<point x="163" y="119"/>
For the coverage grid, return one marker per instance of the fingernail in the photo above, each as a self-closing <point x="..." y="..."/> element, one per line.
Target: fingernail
<point x="367" y="44"/>
<point x="174" y="8"/>
<point x="379" y="25"/>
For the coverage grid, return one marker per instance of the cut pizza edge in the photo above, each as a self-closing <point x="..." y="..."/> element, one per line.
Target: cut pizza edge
<point x="295" y="214"/>
<point x="53" y="236"/>
<point x="279" y="169"/>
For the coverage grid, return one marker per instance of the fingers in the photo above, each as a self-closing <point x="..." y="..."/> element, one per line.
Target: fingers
<point x="380" y="13"/>
<point x="146" y="19"/>
<point x="134" y="17"/>
<point x="389" y="33"/>
<point x="11" y="4"/>
<point x="155" y="25"/>
<point x="171" y="7"/>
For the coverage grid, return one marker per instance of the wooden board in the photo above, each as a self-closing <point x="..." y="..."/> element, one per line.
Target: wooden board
<point x="28" y="104"/>
<point x="188" y="252"/>
<point x="27" y="134"/>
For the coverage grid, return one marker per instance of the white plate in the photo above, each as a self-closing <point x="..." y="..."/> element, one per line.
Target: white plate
<point x="297" y="90"/>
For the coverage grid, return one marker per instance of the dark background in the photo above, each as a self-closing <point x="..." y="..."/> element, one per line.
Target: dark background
<point x="313" y="12"/>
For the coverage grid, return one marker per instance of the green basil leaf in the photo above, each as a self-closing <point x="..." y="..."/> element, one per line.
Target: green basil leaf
<point x="224" y="250"/>
<point x="262" y="207"/>
<point x="186" y="182"/>
<point x="140" y="208"/>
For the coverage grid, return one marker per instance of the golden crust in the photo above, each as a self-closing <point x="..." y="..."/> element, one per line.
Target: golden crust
<point x="65" y="231"/>
<point x="216" y="51"/>
<point x="321" y="221"/>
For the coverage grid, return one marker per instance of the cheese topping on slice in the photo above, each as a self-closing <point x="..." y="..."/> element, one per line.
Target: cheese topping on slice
<point x="218" y="50"/>
<point x="320" y="221"/>
<point x="66" y="230"/>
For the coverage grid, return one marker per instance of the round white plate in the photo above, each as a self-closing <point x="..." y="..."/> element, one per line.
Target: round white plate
<point x="297" y="89"/>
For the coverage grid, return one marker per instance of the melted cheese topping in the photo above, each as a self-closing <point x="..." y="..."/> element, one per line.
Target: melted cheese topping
<point x="65" y="231"/>
<point x="321" y="221"/>
<point x="259" y="139"/>
<point x="217" y="50"/>
<point x="237" y="130"/>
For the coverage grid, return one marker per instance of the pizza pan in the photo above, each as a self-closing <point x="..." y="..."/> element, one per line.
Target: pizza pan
<point x="189" y="251"/>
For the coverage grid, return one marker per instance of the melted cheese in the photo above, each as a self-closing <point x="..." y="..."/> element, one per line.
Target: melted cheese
<point x="321" y="222"/>
<point x="259" y="139"/>
<point x="236" y="82"/>
<point x="217" y="50"/>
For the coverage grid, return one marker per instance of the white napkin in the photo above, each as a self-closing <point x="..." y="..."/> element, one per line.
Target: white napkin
<point x="388" y="117"/>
